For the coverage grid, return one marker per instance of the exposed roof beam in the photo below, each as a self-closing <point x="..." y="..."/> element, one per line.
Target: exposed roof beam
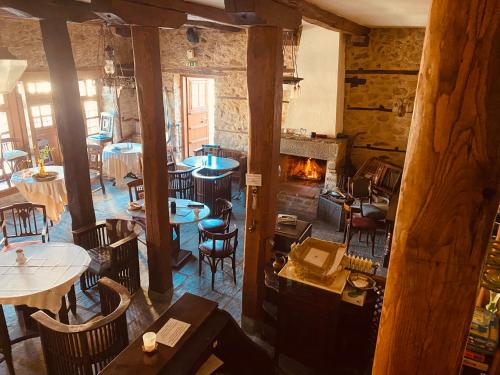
<point x="320" y="17"/>
<point x="212" y="25"/>
<point x="264" y="12"/>
<point x="41" y="9"/>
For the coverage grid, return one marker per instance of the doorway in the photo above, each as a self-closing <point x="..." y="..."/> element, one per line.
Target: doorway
<point x="198" y="103"/>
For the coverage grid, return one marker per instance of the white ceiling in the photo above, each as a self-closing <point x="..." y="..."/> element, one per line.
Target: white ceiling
<point x="377" y="13"/>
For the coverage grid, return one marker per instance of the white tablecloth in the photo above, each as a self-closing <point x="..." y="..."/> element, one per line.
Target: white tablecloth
<point x="120" y="159"/>
<point x="52" y="194"/>
<point x="52" y="268"/>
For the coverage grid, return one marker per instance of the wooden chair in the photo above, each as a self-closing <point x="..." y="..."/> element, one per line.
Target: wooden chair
<point x="209" y="188"/>
<point x="171" y="165"/>
<point x="10" y="154"/>
<point x="87" y="348"/>
<point x="220" y="220"/>
<point x="181" y="184"/>
<point x="135" y="189"/>
<point x="94" y="153"/>
<point x="215" y="248"/>
<point x="239" y="175"/>
<point x="207" y="149"/>
<point x="28" y="220"/>
<point x="355" y="220"/>
<point x="105" y="134"/>
<point x="113" y="249"/>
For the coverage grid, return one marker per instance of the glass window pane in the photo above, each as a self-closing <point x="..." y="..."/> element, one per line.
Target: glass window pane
<point x="35" y="111"/>
<point x="2" y="100"/>
<point x="91" y="87"/>
<point x="93" y="125"/>
<point x="45" y="110"/>
<point x="4" y="124"/>
<point x="81" y="86"/>
<point x="91" y="109"/>
<point x="43" y="87"/>
<point x="47" y="120"/>
<point x="37" y="122"/>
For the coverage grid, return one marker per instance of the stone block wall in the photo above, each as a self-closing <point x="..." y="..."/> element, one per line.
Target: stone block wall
<point x="381" y="81"/>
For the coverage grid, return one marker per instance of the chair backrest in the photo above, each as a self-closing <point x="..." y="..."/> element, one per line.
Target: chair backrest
<point x="230" y="236"/>
<point x="170" y="159"/>
<point x="213" y="150"/>
<point x="8" y="143"/>
<point x="223" y="209"/>
<point x="104" y="233"/>
<point x="94" y="153"/>
<point x="209" y="188"/>
<point x="385" y="177"/>
<point x="181" y="184"/>
<point x="28" y="219"/>
<point x="86" y="348"/>
<point x="135" y="189"/>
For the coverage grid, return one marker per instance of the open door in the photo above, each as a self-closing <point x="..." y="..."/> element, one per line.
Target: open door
<point x="197" y="108"/>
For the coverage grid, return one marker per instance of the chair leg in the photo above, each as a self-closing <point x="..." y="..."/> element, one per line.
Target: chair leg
<point x="233" y="260"/>
<point x="102" y="185"/>
<point x="5" y="344"/>
<point x="214" y="270"/>
<point x="200" y="261"/>
<point x="72" y="300"/>
<point x="222" y="264"/>
<point x="373" y="242"/>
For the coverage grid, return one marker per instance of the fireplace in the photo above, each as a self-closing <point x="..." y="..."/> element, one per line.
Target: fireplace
<point x="307" y="167"/>
<point x="298" y="168"/>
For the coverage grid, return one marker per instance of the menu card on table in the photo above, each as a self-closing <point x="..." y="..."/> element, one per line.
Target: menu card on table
<point x="172" y="332"/>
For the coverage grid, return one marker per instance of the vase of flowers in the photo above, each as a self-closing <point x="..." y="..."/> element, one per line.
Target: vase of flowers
<point x="43" y="155"/>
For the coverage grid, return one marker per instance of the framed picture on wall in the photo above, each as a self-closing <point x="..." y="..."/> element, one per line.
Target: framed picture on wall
<point x="106" y="123"/>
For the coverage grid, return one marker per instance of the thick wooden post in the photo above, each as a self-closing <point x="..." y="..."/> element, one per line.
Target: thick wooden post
<point x="449" y="193"/>
<point x="146" y="45"/>
<point x="265" y="93"/>
<point x="69" y="120"/>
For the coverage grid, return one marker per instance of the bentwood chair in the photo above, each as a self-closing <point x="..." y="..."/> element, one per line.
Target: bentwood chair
<point x="87" y="348"/>
<point x="215" y="248"/>
<point x="220" y="218"/>
<point x="114" y="253"/>
<point x="207" y="149"/>
<point x="135" y="189"/>
<point x="28" y="220"/>
<point x="94" y="153"/>
<point x="11" y="156"/>
<point x="181" y="184"/>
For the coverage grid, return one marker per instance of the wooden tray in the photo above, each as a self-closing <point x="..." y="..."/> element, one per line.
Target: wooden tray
<point x="48" y="176"/>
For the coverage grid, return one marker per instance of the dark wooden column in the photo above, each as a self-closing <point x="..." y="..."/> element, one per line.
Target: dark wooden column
<point x="265" y="92"/>
<point x="146" y="45"/>
<point x="449" y="193"/>
<point x="69" y="120"/>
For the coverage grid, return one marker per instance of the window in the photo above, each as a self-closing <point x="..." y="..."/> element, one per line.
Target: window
<point x="90" y="104"/>
<point x="4" y="120"/>
<point x="42" y="116"/>
<point x="41" y="87"/>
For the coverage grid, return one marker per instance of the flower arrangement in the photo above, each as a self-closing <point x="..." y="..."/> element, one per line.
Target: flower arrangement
<point x="43" y="154"/>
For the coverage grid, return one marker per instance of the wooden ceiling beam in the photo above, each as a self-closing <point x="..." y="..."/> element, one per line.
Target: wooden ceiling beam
<point x="132" y="13"/>
<point x="44" y="9"/>
<point x="320" y="17"/>
<point x="212" y="25"/>
<point x="263" y="12"/>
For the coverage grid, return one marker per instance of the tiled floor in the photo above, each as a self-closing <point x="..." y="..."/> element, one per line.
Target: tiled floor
<point x="27" y="354"/>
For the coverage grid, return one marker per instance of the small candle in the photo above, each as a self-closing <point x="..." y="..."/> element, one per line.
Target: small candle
<point x="149" y="341"/>
<point x="196" y="212"/>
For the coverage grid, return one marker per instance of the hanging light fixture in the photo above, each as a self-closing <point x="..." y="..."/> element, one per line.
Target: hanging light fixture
<point x="109" y="60"/>
<point x="11" y="70"/>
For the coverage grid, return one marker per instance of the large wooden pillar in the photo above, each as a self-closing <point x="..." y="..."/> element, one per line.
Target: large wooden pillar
<point x="449" y="194"/>
<point x="69" y="120"/>
<point x="146" y="45"/>
<point x="265" y="92"/>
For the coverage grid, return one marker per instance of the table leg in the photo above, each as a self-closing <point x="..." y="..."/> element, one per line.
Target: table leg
<point x="179" y="256"/>
<point x="63" y="312"/>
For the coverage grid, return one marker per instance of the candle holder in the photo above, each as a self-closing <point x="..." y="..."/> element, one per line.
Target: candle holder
<point x="20" y="257"/>
<point x="149" y="344"/>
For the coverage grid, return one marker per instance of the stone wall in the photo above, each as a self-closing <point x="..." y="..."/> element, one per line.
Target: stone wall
<point x="379" y="105"/>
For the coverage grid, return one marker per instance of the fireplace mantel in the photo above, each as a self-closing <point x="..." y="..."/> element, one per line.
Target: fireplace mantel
<point x="333" y="150"/>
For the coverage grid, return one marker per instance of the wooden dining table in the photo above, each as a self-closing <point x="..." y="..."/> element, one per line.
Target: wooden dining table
<point x="215" y="163"/>
<point x="183" y="215"/>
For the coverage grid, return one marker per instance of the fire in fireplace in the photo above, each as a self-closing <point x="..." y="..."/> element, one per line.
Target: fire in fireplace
<point x="308" y="169"/>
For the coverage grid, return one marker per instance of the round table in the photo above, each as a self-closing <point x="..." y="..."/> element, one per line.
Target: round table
<point x="120" y="159"/>
<point x="47" y="276"/>
<point x="183" y="215"/>
<point x="52" y="194"/>
<point x="214" y="163"/>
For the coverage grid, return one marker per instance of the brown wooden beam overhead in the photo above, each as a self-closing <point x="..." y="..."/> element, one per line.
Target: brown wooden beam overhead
<point x="146" y="46"/>
<point x="264" y="12"/>
<point x="43" y="9"/>
<point x="69" y="120"/>
<point x="320" y="17"/>
<point x="132" y="13"/>
<point x="449" y="194"/>
<point x="265" y="95"/>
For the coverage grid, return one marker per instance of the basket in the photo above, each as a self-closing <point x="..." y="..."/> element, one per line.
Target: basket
<point x="317" y="259"/>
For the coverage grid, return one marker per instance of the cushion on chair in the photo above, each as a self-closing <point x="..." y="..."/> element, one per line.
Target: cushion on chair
<point x="100" y="259"/>
<point x="361" y="222"/>
<point x="212" y="225"/>
<point x="373" y="212"/>
<point x="220" y="252"/>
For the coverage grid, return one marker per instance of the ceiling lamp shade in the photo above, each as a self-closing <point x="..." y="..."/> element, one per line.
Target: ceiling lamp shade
<point x="11" y="70"/>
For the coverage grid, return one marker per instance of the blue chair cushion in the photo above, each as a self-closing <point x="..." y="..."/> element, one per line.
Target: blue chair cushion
<point x="212" y="225"/>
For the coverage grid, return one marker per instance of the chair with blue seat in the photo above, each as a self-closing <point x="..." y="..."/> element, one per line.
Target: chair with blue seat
<point x="215" y="247"/>
<point x="220" y="218"/>
<point x="29" y="223"/>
